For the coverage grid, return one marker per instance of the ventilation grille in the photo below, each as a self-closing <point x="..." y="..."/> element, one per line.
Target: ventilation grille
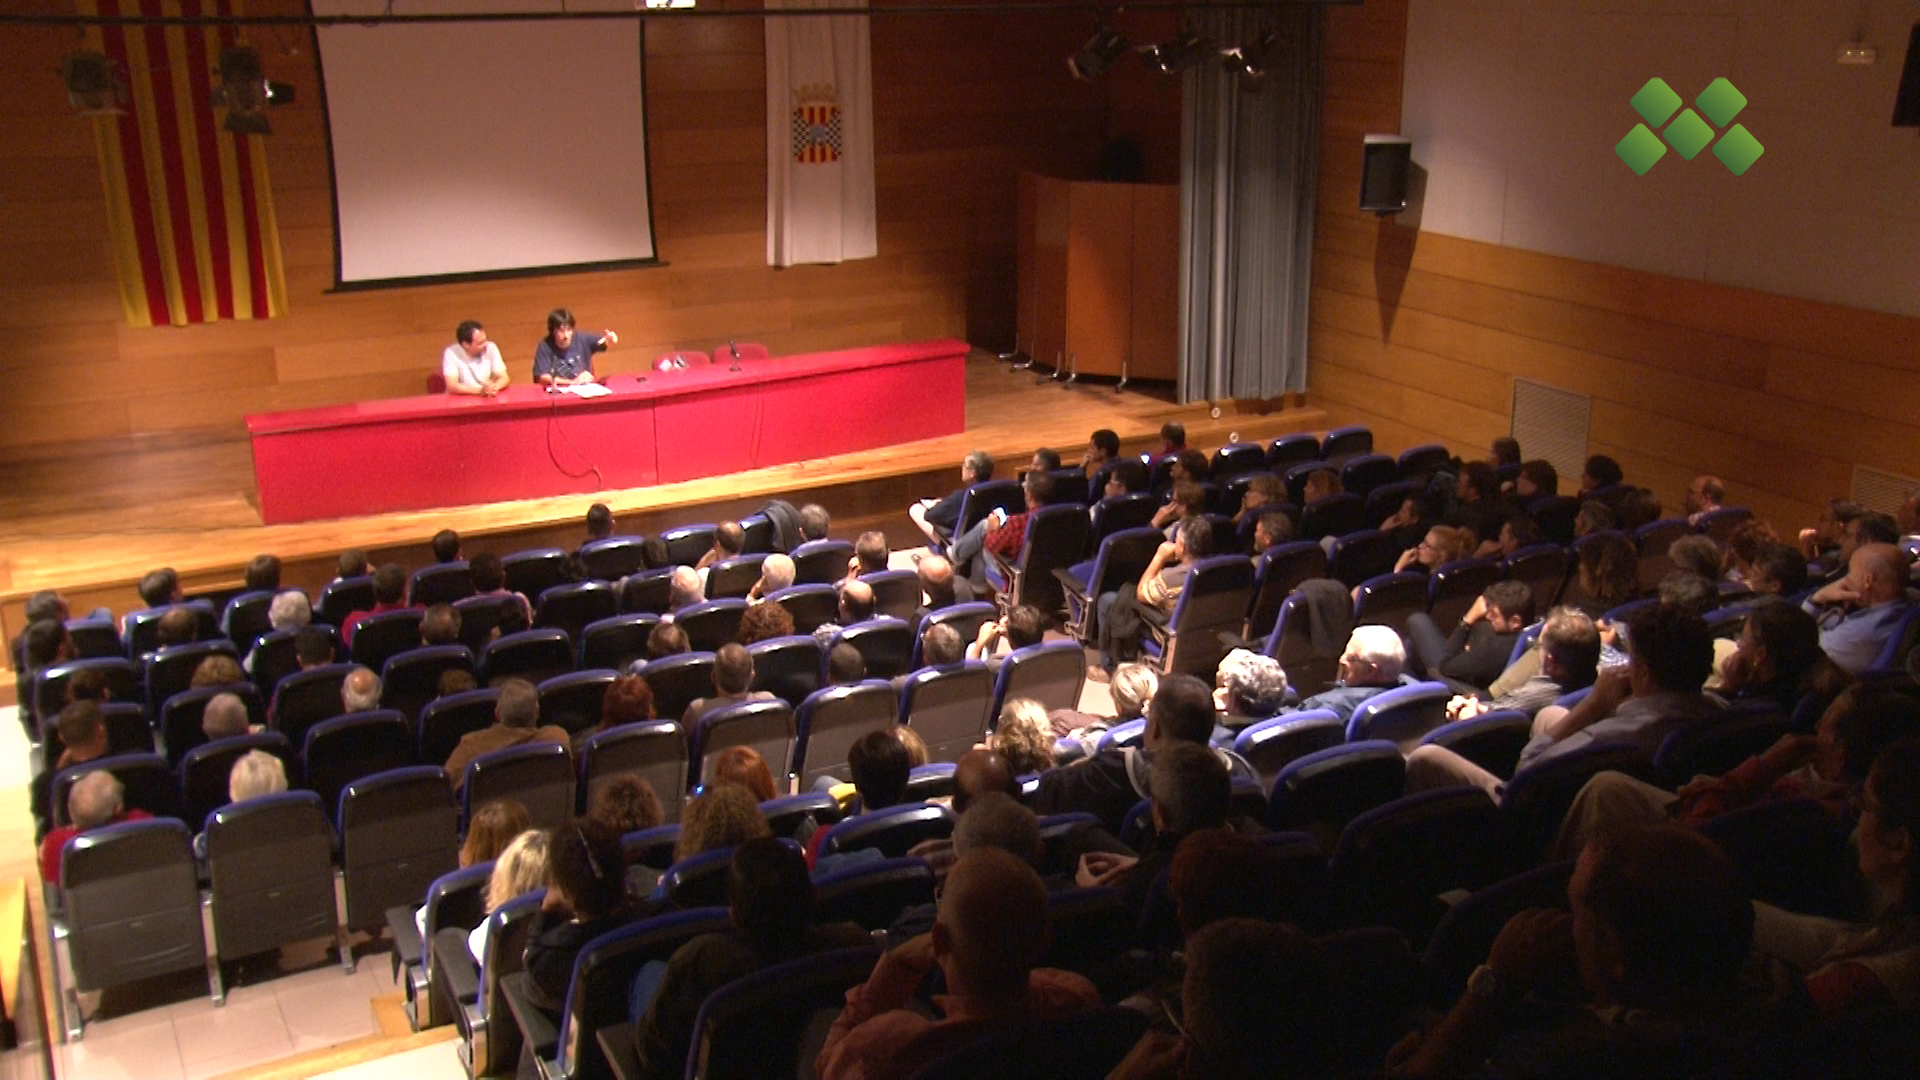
<point x="1551" y="423"/>
<point x="1882" y="491"/>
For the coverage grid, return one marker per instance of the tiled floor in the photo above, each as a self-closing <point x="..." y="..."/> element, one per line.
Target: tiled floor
<point x="437" y="1062"/>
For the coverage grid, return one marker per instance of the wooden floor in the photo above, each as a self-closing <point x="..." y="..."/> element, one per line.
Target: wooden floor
<point x="91" y="521"/>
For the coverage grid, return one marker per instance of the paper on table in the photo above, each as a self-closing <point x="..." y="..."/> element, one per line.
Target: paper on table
<point x="586" y="390"/>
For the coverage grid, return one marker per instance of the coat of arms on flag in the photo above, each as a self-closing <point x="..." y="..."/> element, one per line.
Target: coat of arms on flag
<point x="816" y="124"/>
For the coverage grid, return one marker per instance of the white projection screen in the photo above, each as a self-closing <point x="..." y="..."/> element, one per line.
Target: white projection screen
<point x="484" y="148"/>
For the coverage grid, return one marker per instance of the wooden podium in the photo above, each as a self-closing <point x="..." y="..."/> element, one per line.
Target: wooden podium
<point x="1099" y="277"/>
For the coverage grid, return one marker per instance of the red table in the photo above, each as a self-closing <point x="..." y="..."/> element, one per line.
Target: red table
<point x="444" y="450"/>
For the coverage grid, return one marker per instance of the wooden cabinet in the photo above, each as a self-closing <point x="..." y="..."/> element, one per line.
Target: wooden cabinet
<point x="1099" y="279"/>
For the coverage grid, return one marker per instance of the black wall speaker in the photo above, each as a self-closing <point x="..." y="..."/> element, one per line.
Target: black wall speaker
<point x="1383" y="174"/>
<point x="1906" y="107"/>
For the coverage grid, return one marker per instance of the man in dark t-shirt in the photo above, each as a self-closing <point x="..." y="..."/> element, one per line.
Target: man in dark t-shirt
<point x="565" y="356"/>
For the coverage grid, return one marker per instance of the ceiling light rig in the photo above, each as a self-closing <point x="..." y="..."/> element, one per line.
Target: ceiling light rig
<point x="1098" y="54"/>
<point x="1184" y="50"/>
<point x="94" y="88"/>
<point x="243" y="90"/>
<point x="1248" y="64"/>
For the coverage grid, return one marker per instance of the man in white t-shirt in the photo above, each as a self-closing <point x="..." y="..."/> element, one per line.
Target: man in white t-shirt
<point x="472" y="364"/>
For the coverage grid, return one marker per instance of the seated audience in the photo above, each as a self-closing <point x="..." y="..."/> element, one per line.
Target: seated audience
<point x="224" y="717"/>
<point x="666" y="639"/>
<point x="455" y="681"/>
<point x="685" y="588"/>
<point x="1699" y="555"/>
<point x="1482" y="506"/>
<point x="352" y="564"/>
<point x="440" y="626"/>
<point x="626" y="803"/>
<point x="159" y="588"/>
<point x="628" y="700"/>
<point x="254" y="774"/>
<point x="179" y="626"/>
<point x="979" y="773"/>
<point x="776" y="573"/>
<point x="729" y="539"/>
<point x="1022" y="626"/>
<point x="814" y="522"/>
<point x="1743" y="550"/>
<point x="845" y="665"/>
<point x="495" y="824"/>
<point x="490" y="579"/>
<point x="1409" y="524"/>
<point x="1778" y="659"/>
<point x="1127" y="476"/>
<point x="1594" y="516"/>
<point x="586" y="897"/>
<point x="360" y="691"/>
<point x="1269" y="530"/>
<point x="998" y="534"/>
<point x="763" y="622"/>
<point x="1477" y="650"/>
<point x="1439" y="547"/>
<point x="516" y="722"/>
<point x="1189" y="500"/>
<point x="721" y="816"/>
<point x="1103" y="447"/>
<point x="95" y="800"/>
<point x="1519" y="531"/>
<point x="1023" y="737"/>
<point x="1778" y="570"/>
<point x="216" y="670"/>
<point x="1374" y="662"/>
<point x="82" y="728"/>
<point x="1263" y="491"/>
<point x="1860" y="611"/>
<point x="870" y="554"/>
<point x="389" y="594"/>
<point x="1566" y="659"/>
<point x="1823" y="540"/>
<point x="938" y="519"/>
<point x="520" y="868"/>
<point x="1123" y="615"/>
<point x="732" y="685"/>
<point x="1607" y="576"/>
<point x="290" y="608"/>
<point x="1705" y="494"/>
<point x="1600" y="471"/>
<point x="1248" y="686"/>
<point x="1537" y="479"/>
<point x="744" y="766"/>
<point x="445" y="546"/>
<point x="1173" y="437"/>
<point x="599" y="522"/>
<point x="989" y="935"/>
<point x="1190" y="791"/>
<point x="940" y="587"/>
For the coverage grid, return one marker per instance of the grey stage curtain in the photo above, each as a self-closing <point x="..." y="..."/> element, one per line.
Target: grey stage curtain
<point x="1247" y="177"/>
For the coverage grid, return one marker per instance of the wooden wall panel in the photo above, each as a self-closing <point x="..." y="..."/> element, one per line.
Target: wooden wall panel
<point x="961" y="104"/>
<point x="1422" y="335"/>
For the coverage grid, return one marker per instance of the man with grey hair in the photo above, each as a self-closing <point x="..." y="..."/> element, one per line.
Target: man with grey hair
<point x="684" y="588"/>
<point x="941" y="646"/>
<point x="95" y="799"/>
<point x="516" y="720"/>
<point x="360" y="691"/>
<point x="224" y="718"/>
<point x="814" y="522"/>
<point x="1375" y="661"/>
<point x="255" y="774"/>
<point x="289" y="608"/>
<point x="1249" y="685"/>
<point x="776" y="573"/>
<point x="938" y="520"/>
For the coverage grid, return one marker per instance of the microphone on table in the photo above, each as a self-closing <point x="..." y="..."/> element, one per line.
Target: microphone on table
<point x="736" y="355"/>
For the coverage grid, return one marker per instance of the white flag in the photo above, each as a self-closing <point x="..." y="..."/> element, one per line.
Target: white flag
<point x="819" y="136"/>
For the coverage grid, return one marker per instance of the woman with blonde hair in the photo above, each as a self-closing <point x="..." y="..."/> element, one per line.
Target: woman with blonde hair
<point x="257" y="773"/>
<point x="520" y="869"/>
<point x="1442" y="544"/>
<point x="1023" y="736"/>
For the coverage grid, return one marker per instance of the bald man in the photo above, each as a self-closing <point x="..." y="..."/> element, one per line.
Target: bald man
<point x="856" y="602"/>
<point x="990" y="932"/>
<point x="360" y="690"/>
<point x="1704" y="495"/>
<point x="94" y="800"/>
<point x="1861" y="611"/>
<point x="978" y="772"/>
<point x="939" y="587"/>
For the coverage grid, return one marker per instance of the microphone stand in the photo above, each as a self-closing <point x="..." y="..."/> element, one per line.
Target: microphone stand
<point x="736" y="354"/>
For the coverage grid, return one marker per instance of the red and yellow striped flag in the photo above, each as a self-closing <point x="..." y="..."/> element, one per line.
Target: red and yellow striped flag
<point x="189" y="208"/>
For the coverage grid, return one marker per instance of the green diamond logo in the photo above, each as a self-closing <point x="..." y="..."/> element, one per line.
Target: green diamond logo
<point x="1721" y="102"/>
<point x="1738" y="149"/>
<point x="1656" y="101"/>
<point x="1640" y="149"/>
<point x="1688" y="134"/>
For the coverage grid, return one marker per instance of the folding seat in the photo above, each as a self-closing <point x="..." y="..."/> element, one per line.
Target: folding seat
<point x="50" y="684"/>
<point x="270" y="861"/>
<point x="1134" y="510"/>
<point x="1091" y="926"/>
<point x="1273" y="744"/>
<point x="1310" y="669"/>
<point x="787" y="667"/>
<point x="1359" y="555"/>
<point x="733" y="577"/>
<point x="711" y="624"/>
<point x="1215" y="600"/>
<point x="205" y="770"/>
<point x="170" y="670"/>
<point x="649" y="591"/>
<point x="1402" y="715"/>
<point x="698" y="881"/>
<point x="572" y="606"/>
<point x="832" y="720"/>
<point x="537" y="775"/>
<point x="1364" y="472"/>
<point x="787" y="813"/>
<point x="896" y="593"/>
<point x="810" y="605"/>
<point x="131" y="911"/>
<point x="1236" y="459"/>
<point x="342" y="597"/>
<point x="245" y="618"/>
<point x="873" y="894"/>
<point x="1069" y="486"/>
<point x="926" y="783"/>
<point x="598" y="991"/>
<point x="1721" y="524"/>
<point x="347" y="748"/>
<point x="573" y="700"/>
<point x="533" y="655"/>
<point x="677" y="681"/>
<point x="1492" y="740"/>
<point x="651" y="847"/>
<point x="398" y="832"/>
<point x="94" y="638"/>
<point x="1419" y="463"/>
<point x="821" y="562"/>
<point x="757" y="1026"/>
<point x="1795" y="855"/>
<point x="1330" y="787"/>
<point x="893" y="830"/>
<point x="481" y="618"/>
<point x="1537" y="798"/>
<point x="535" y="570"/>
<point x="1051" y="673"/>
<point x="1465" y="933"/>
<point x="1554" y="514"/>
<point x="1714" y="747"/>
<point x="1091" y="1042"/>
<point x="1653" y="539"/>
<point x="273" y="657"/>
<point x="445" y="721"/>
<point x="1542" y="568"/>
<point x="490" y="1040"/>
<point x="613" y="558"/>
<point x="1295" y="449"/>
<point x="1295" y="476"/>
<point x="380" y="637"/>
<point x="982" y="499"/>
<point x="1453" y="587"/>
<point x="141" y="629"/>
<point x="1133" y="733"/>
<point x="180" y="718"/>
<point x="1120" y="560"/>
<point x="949" y="708"/>
<point x="687" y="543"/>
<point x="441" y="583"/>
<point x="766" y="726"/>
<point x="966" y="620"/>
<point x="149" y="785"/>
<point x="411" y="679"/>
<point x="128" y="731"/>
<point x="456" y="901"/>
<point x="1893" y="655"/>
<point x="1345" y="442"/>
<point x="1056" y="537"/>
<point x="1387" y="600"/>
<point x="616" y="643"/>
<point x="757" y="530"/>
<point x="653" y="750"/>
<point x="885" y="643"/>
<point x="1393" y="862"/>
<point x="1385" y="500"/>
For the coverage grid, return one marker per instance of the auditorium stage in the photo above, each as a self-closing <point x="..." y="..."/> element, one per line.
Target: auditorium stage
<point x="90" y="521"/>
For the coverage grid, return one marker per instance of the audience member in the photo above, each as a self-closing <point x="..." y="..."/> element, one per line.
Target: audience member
<point x="256" y="773"/>
<point x="263" y="573"/>
<point x="445" y="546"/>
<point x="454" y="681"/>
<point x="666" y="639"/>
<point x="599" y="522"/>
<point x="732" y="685"/>
<point x="1477" y="651"/>
<point x="1189" y="499"/>
<point x="82" y="728"/>
<point x="1600" y="471"/>
<point x="1567" y="658"/>
<point x="1778" y="659"/>
<point x="979" y="773"/>
<point x="1023" y="737"/>
<point x="440" y="625"/>
<point x="360" y="691"/>
<point x="218" y="669"/>
<point x="495" y="824"/>
<point x="941" y="646"/>
<point x="178" y="626"/>
<point x="1111" y="781"/>
<point x="1537" y="479"/>
<point x="389" y="594"/>
<point x="1823" y="540"/>
<point x="289" y="610"/>
<point x="516" y="721"/>
<point x="1607" y="576"/>
<point x="628" y="700"/>
<point x="490" y="579"/>
<point x="312" y="647"/>
<point x="625" y="803"/>
<point x="586" y="897"/>
<point x="938" y="519"/>
<point x="856" y="602"/>
<point x="685" y="588"/>
<point x="940" y="587"/>
<point x="1122" y="618"/>
<point x="1860" y="611"/>
<point x="776" y="573"/>
<point x="744" y="766"/>
<point x="1705" y="494"/>
<point x="352" y="564"/>
<point x="520" y="868"/>
<point x="1373" y="662"/>
<point x="1270" y="529"/>
<point x="1594" y="516"/>
<point x="721" y="816"/>
<point x="224" y="717"/>
<point x="1103" y="447"/>
<point x="1190" y="790"/>
<point x="763" y="622"/>
<point x="94" y="800"/>
<point x="1439" y="547"/>
<point x="1023" y="625"/>
<point x="998" y="534"/>
<point x="1128" y="475"/>
<point x="1173" y="437"/>
<point x="159" y="588"/>
<point x="1482" y="507"/>
<point x="729" y="539"/>
<point x="1248" y="686"/>
<point x="845" y="665"/>
<point x="814" y="522"/>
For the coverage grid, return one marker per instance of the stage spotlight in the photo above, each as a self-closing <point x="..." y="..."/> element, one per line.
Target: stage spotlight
<point x="242" y="91"/>
<point x="1098" y="54"/>
<point x="93" y="86"/>
<point x="1181" y="53"/>
<point x="1250" y="63"/>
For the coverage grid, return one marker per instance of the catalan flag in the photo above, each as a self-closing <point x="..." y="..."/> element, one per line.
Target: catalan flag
<point x="190" y="210"/>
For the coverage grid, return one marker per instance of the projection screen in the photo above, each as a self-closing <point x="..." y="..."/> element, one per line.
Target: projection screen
<point x="484" y="148"/>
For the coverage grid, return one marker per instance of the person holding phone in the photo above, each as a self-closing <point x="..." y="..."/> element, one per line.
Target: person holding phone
<point x="1000" y="533"/>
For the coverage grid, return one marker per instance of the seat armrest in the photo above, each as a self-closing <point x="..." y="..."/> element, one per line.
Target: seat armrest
<point x="616" y="1044"/>
<point x="408" y="949"/>
<point x="538" y="1032"/>
<point x="453" y="961"/>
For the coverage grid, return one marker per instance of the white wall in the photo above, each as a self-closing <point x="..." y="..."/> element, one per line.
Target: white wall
<point x="1514" y="107"/>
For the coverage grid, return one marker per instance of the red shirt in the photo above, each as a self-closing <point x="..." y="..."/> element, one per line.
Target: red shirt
<point x="56" y="840"/>
<point x="1006" y="540"/>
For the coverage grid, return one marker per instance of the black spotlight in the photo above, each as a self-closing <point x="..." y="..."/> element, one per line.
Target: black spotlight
<point x="242" y="91"/>
<point x="1181" y="53"/>
<point x="93" y="86"/>
<point x="1250" y="63"/>
<point x="1098" y="54"/>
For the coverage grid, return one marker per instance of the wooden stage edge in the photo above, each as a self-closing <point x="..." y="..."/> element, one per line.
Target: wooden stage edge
<point x="207" y="529"/>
